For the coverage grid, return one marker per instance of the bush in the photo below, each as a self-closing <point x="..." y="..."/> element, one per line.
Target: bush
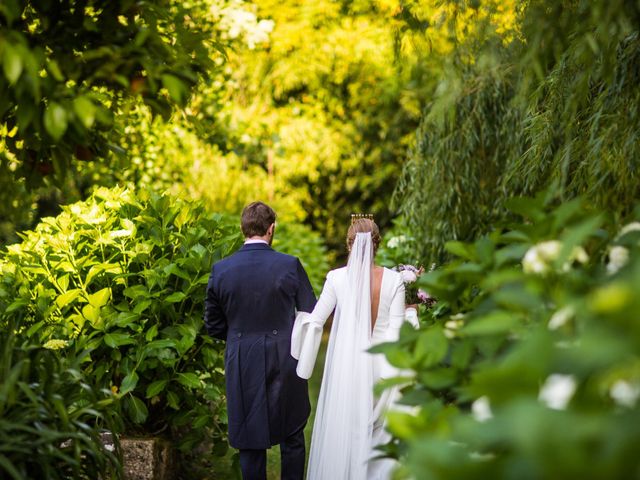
<point x="50" y="416"/>
<point x="529" y="366"/>
<point x="123" y="276"/>
<point x="308" y="246"/>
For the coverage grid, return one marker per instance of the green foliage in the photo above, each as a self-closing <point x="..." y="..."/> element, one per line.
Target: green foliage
<point x="450" y="185"/>
<point x="396" y="247"/>
<point x="556" y="104"/>
<point x="307" y="245"/>
<point x="551" y="301"/>
<point x="50" y="415"/>
<point x="319" y="114"/>
<point x="123" y="276"/>
<point x="69" y="66"/>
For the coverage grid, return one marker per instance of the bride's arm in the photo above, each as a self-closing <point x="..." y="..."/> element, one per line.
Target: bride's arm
<point x="396" y="313"/>
<point x="307" y="330"/>
<point x="326" y="303"/>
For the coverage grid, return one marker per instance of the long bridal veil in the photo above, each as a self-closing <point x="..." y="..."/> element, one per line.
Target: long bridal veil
<point x="342" y="429"/>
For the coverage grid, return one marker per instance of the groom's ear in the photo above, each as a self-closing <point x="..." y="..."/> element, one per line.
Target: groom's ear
<point x="272" y="229"/>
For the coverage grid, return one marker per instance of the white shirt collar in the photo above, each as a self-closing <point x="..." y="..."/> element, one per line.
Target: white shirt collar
<point x="249" y="242"/>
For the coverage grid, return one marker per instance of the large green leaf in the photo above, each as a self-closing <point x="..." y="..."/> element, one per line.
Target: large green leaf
<point x="156" y="387"/>
<point x="129" y="383"/>
<point x="114" y="340"/>
<point x="55" y="120"/>
<point x="68" y="297"/>
<point x="85" y="110"/>
<point x="189" y="379"/>
<point x="136" y="409"/>
<point x="11" y="63"/>
<point x="175" y="297"/>
<point x="100" y="298"/>
<point x="497" y="322"/>
<point x="431" y="347"/>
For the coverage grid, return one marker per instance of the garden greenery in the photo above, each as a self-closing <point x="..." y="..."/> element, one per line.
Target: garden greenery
<point x="122" y="276"/>
<point x="555" y="102"/>
<point x="118" y="281"/>
<point x="51" y="415"/>
<point x="528" y="366"/>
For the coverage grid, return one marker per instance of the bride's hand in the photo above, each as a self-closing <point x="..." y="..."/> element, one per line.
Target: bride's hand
<point x="413" y="305"/>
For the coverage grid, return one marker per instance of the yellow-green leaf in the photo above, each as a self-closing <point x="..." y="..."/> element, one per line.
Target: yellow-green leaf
<point x="55" y="120"/>
<point x="100" y="298"/>
<point x="68" y="297"/>
<point x="85" y="110"/>
<point x="12" y="63"/>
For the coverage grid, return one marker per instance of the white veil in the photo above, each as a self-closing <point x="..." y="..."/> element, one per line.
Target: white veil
<point x="342" y="429"/>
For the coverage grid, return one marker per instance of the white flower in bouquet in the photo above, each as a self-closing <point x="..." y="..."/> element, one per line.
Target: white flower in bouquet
<point x="557" y="391"/>
<point x="409" y="273"/>
<point x="414" y="295"/>
<point x="408" y="276"/>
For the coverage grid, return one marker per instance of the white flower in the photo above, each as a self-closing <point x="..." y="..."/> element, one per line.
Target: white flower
<point x="533" y="263"/>
<point x="557" y="391"/>
<point x="579" y="254"/>
<point x="481" y="409"/>
<point x="454" y="324"/>
<point x="395" y="242"/>
<point x="408" y="276"/>
<point x="539" y="258"/>
<point x="631" y="227"/>
<point x="618" y="258"/>
<point x="549" y="250"/>
<point x="624" y="393"/>
<point x="561" y="317"/>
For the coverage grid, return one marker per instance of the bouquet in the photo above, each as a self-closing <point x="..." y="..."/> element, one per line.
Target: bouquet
<point x="412" y="294"/>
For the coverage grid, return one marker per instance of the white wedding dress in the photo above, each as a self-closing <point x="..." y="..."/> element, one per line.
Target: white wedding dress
<point x="349" y="420"/>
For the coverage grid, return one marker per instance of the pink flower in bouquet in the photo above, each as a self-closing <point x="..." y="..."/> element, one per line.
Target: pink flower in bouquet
<point x="423" y="296"/>
<point x="414" y="295"/>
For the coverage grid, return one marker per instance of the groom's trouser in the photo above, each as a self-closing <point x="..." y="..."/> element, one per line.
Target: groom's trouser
<point x="292" y="453"/>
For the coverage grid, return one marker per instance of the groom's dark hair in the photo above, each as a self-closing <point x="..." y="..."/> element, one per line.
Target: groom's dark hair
<point x="257" y="217"/>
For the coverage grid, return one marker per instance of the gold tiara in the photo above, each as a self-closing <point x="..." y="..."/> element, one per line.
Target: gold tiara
<point x="361" y="216"/>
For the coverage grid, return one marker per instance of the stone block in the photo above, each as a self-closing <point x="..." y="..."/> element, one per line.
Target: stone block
<point x="145" y="458"/>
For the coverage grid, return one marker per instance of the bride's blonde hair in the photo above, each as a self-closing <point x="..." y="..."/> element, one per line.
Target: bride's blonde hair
<point x="363" y="225"/>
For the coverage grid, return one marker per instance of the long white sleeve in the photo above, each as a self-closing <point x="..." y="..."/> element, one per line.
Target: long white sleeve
<point x="307" y="330"/>
<point x="396" y="312"/>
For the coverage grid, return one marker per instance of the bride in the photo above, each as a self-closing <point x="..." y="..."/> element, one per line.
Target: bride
<point x="368" y="301"/>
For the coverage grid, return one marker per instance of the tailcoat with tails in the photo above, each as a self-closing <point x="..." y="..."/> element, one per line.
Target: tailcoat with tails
<point x="251" y="302"/>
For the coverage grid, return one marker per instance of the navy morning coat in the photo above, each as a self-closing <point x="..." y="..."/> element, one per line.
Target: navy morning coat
<point x="251" y="302"/>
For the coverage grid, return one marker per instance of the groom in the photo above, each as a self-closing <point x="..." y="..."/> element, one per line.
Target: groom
<point x="252" y="297"/>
